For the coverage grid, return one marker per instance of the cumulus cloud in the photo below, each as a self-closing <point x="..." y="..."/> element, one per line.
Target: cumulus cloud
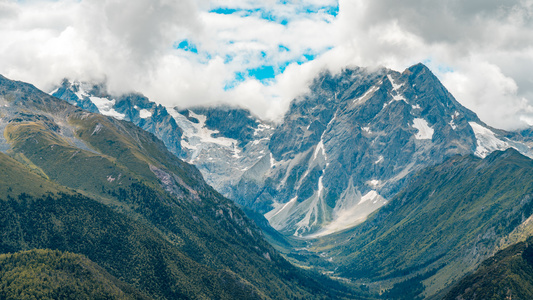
<point x="490" y="92"/>
<point x="44" y="41"/>
<point x="262" y="54"/>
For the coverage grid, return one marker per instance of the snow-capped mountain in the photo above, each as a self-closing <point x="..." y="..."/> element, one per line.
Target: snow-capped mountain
<point x="340" y="153"/>
<point x="353" y="141"/>
<point x="222" y="142"/>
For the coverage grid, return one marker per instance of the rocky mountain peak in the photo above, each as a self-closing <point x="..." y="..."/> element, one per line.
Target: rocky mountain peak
<point x="353" y="141"/>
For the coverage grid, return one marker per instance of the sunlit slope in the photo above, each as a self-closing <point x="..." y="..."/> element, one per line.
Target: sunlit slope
<point x="48" y="274"/>
<point x="124" y="247"/>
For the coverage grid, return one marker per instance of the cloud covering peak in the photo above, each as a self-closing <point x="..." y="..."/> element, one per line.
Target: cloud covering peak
<point x="262" y="54"/>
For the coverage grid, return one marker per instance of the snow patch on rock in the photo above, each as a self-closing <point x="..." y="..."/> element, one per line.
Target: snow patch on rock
<point x="424" y="131"/>
<point x="452" y="121"/>
<point x="319" y="149"/>
<point x="197" y="136"/>
<point x="272" y="161"/>
<point x="395" y="86"/>
<point x="452" y="124"/>
<point x="260" y="128"/>
<point x="105" y="107"/>
<point x="144" y="113"/>
<point x="280" y="207"/>
<point x="396" y="95"/>
<point x="487" y="142"/>
<point x="367" y="94"/>
<point x="373" y="183"/>
<point x="349" y="216"/>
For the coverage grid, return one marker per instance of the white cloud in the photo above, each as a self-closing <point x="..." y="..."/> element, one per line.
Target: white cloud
<point x="486" y="90"/>
<point x="480" y="49"/>
<point x="45" y="41"/>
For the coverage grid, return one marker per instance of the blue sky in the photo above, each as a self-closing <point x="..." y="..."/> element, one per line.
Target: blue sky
<point x="266" y="62"/>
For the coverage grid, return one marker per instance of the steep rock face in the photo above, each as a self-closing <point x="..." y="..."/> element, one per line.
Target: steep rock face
<point x="353" y="141"/>
<point x="74" y="93"/>
<point x="230" y="122"/>
<point x="222" y="142"/>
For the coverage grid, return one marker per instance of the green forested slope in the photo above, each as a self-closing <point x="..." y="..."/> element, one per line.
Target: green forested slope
<point x="48" y="274"/>
<point x="125" y="248"/>
<point x="506" y="275"/>
<point x="448" y="219"/>
<point x="17" y="178"/>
